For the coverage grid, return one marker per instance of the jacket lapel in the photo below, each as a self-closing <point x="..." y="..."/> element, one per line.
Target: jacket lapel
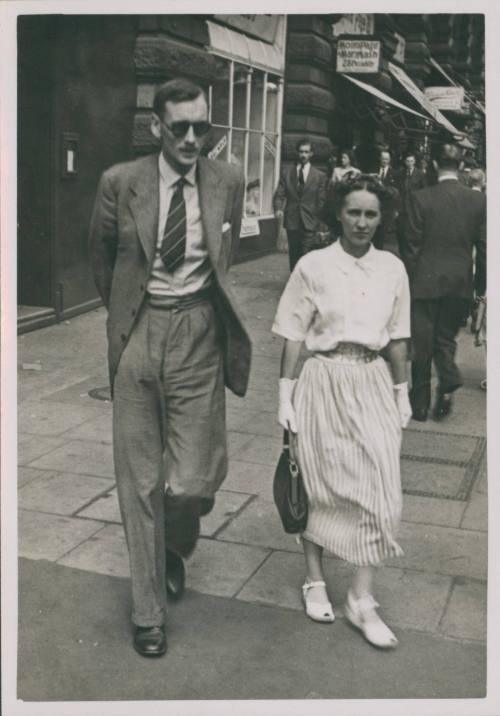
<point x="212" y="195"/>
<point x="144" y="204"/>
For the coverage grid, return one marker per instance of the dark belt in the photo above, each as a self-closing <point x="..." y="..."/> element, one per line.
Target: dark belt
<point x="179" y="303"/>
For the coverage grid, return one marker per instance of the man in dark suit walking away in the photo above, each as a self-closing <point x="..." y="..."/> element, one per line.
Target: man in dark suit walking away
<point x="411" y="179"/>
<point x="443" y="225"/>
<point x="164" y="231"/>
<point x="302" y="192"/>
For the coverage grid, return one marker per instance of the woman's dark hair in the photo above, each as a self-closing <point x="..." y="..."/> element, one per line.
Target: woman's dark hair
<point x="349" y="153"/>
<point x="361" y="182"/>
<point x="387" y="197"/>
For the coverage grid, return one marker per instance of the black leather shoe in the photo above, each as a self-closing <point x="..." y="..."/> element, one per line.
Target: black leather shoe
<point x="150" y="641"/>
<point x="175" y="575"/>
<point x="443" y="406"/>
<point x="419" y="414"/>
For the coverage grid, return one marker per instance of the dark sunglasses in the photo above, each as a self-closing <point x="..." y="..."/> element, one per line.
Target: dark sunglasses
<point x="180" y="129"/>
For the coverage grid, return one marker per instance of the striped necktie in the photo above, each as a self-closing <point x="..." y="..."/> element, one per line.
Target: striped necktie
<point x="173" y="245"/>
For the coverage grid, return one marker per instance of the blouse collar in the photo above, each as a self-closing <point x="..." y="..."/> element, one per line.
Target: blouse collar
<point x="347" y="262"/>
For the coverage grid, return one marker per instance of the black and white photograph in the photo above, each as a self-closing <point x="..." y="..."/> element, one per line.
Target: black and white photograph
<point x="245" y="396"/>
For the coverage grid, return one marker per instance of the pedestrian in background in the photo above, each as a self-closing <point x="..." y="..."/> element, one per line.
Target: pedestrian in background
<point x="386" y="173"/>
<point x="164" y="230"/>
<point x="348" y="302"/>
<point x="347" y="169"/>
<point x="444" y="223"/>
<point x="299" y="199"/>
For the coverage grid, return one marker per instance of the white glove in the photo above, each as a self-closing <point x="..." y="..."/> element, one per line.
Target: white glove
<point x="403" y="403"/>
<point x="286" y="412"/>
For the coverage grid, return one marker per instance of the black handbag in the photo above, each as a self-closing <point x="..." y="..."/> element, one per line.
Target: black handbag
<point x="289" y="492"/>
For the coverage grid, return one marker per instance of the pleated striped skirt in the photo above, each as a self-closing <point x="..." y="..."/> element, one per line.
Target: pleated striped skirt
<point x="348" y="449"/>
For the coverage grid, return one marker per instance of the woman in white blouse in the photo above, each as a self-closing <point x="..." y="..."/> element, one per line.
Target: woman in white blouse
<point x="348" y="302"/>
<point x="347" y="170"/>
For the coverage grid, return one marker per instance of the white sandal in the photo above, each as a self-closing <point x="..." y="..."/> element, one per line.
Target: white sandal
<point x="361" y="613"/>
<point x="318" y="611"/>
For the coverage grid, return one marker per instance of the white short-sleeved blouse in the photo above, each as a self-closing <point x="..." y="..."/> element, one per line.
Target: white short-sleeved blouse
<point x="332" y="297"/>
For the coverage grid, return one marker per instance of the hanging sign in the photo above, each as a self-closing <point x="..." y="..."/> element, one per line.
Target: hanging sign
<point x="355" y="56"/>
<point x="359" y="24"/>
<point x="263" y="27"/>
<point x="214" y="153"/>
<point x="447" y="98"/>
<point x="249" y="227"/>
<point x="399" y="53"/>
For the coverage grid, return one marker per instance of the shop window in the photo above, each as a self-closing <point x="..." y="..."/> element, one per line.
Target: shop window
<point x="244" y="111"/>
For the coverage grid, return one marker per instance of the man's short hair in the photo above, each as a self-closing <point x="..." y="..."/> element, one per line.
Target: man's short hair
<point x="477" y="178"/>
<point x="411" y="154"/>
<point x="178" y="90"/>
<point x="303" y="142"/>
<point x="449" y="157"/>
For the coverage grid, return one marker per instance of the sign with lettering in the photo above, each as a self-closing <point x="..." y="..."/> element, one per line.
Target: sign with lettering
<point x="355" y="56"/>
<point x="214" y="153"/>
<point x="355" y="25"/>
<point x="249" y="227"/>
<point x="263" y="27"/>
<point x="447" y="98"/>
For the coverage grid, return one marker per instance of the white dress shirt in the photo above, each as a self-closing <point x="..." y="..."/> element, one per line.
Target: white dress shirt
<point x="332" y="297"/>
<point x="195" y="272"/>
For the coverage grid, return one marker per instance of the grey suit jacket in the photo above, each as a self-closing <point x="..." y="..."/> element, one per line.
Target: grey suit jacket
<point x="122" y="244"/>
<point x="301" y="211"/>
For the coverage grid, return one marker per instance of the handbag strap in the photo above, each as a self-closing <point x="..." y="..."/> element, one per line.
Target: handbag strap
<point x="289" y="445"/>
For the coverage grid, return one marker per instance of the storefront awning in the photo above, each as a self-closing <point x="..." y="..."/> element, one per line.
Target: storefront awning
<point x="237" y="46"/>
<point x="424" y="102"/>
<point x="381" y="95"/>
<point x="473" y="101"/>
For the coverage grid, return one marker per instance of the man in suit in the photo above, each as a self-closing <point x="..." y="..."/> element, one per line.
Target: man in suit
<point x="386" y="174"/>
<point x="443" y="225"/>
<point x="302" y="191"/>
<point x="164" y="231"/>
<point x="411" y="178"/>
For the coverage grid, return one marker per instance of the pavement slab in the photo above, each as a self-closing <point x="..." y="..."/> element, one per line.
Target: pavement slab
<point x="259" y="524"/>
<point x="433" y="511"/>
<point x="96" y="430"/>
<point x="465" y="616"/>
<point x="43" y="536"/>
<point x="476" y="513"/>
<point x="104" y="552"/>
<point x="250" y="477"/>
<point x="94" y="460"/>
<point x="408" y="599"/>
<point x="61" y="493"/>
<point x="221" y="568"/>
<point x="31" y="447"/>
<point x="263" y="450"/>
<point x="77" y="393"/>
<point x="443" y="550"/>
<point x="256" y="654"/>
<point x="227" y="505"/>
<point x="429" y="479"/>
<point x="42" y="418"/>
<point x="25" y="475"/>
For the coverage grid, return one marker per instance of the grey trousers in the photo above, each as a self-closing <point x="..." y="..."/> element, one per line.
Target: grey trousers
<point x="168" y="431"/>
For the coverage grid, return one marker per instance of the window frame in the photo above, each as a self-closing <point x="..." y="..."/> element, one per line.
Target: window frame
<point x="262" y="132"/>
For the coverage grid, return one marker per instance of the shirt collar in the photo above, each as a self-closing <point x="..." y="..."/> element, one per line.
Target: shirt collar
<point x="170" y="176"/>
<point x="306" y="166"/>
<point x="347" y="262"/>
<point x="445" y="177"/>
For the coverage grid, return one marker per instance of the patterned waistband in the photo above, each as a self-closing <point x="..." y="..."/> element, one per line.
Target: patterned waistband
<point x="179" y="303"/>
<point x="349" y="353"/>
